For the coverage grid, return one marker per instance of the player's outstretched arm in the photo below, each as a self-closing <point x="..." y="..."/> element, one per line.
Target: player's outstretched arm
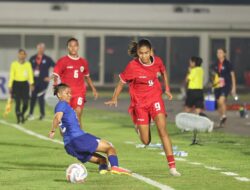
<point x="56" y="121"/>
<point x="233" y="91"/>
<point x="167" y="88"/>
<point x="91" y="85"/>
<point x="116" y="94"/>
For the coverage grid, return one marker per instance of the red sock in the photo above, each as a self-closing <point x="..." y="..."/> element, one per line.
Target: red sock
<point x="171" y="161"/>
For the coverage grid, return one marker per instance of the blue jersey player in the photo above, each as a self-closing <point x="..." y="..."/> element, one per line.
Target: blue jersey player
<point x="77" y="142"/>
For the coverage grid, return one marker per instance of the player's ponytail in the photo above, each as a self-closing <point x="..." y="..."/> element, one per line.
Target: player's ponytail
<point x="132" y="49"/>
<point x="134" y="46"/>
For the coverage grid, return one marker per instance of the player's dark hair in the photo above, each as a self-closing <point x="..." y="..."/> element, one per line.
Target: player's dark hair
<point x="72" y="39"/>
<point x="197" y="61"/>
<point x="21" y="50"/>
<point x="134" y="46"/>
<point x="59" y="87"/>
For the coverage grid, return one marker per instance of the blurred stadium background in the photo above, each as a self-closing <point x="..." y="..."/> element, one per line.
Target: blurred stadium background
<point x="178" y="29"/>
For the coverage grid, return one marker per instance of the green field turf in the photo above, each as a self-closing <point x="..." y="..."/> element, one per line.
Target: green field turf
<point x="28" y="163"/>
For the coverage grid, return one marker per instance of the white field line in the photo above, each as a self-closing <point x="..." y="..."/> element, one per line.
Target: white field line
<point x="244" y="179"/>
<point x="135" y="175"/>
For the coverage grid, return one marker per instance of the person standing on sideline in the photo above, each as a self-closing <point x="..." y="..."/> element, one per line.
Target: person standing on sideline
<point x="41" y="65"/>
<point x="20" y="83"/>
<point x="73" y="70"/>
<point x="226" y="83"/>
<point x="194" y="80"/>
<point x="145" y="91"/>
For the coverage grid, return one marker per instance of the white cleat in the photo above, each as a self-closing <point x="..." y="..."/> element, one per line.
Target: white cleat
<point x="31" y="118"/>
<point x="174" y="172"/>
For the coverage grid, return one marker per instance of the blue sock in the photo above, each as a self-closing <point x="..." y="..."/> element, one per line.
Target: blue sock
<point x="103" y="167"/>
<point x="113" y="160"/>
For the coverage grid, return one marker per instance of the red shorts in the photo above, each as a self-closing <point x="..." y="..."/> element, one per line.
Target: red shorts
<point x="77" y="101"/>
<point x="143" y="115"/>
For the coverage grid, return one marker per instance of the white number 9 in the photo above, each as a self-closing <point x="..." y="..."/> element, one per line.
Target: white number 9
<point x="157" y="106"/>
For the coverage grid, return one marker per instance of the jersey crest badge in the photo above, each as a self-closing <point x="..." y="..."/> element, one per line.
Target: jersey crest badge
<point x="82" y="68"/>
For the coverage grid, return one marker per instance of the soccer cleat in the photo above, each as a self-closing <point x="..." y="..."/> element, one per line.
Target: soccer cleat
<point x="41" y="117"/>
<point x="118" y="170"/>
<point x="30" y="117"/>
<point x="103" y="172"/>
<point x="174" y="172"/>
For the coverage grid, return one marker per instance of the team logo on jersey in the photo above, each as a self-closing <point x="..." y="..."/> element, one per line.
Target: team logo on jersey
<point x="69" y="67"/>
<point x="150" y="83"/>
<point x="82" y="68"/>
<point x="158" y="74"/>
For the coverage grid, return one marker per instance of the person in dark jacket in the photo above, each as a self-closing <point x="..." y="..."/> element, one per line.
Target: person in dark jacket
<point x="224" y="83"/>
<point x="41" y="65"/>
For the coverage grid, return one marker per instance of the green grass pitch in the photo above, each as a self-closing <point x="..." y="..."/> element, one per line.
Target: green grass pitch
<point x="29" y="163"/>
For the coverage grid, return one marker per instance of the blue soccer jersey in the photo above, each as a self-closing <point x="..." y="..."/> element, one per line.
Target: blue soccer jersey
<point x="70" y="127"/>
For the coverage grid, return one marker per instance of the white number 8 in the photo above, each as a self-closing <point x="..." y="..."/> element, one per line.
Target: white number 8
<point x="157" y="106"/>
<point x="75" y="73"/>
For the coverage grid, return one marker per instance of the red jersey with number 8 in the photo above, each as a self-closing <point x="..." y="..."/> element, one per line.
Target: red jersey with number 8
<point x="72" y="72"/>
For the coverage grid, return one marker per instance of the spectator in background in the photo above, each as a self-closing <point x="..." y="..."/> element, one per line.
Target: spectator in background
<point x="41" y="65"/>
<point x="20" y="82"/>
<point x="224" y="83"/>
<point x="194" y="80"/>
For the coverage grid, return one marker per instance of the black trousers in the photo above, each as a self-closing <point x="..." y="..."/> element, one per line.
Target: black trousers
<point x="38" y="93"/>
<point x="21" y="95"/>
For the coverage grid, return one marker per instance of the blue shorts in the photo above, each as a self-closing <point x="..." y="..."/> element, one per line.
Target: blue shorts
<point x="82" y="147"/>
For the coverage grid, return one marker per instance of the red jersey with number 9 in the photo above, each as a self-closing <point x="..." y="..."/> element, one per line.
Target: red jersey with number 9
<point x="72" y="72"/>
<point x="144" y="86"/>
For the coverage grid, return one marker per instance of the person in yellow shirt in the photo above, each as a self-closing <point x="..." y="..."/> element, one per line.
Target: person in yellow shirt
<point x="21" y="80"/>
<point x="194" y="79"/>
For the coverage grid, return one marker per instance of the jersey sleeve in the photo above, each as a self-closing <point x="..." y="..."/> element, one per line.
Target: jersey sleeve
<point x="30" y="71"/>
<point x="60" y="107"/>
<point x="128" y="74"/>
<point x="52" y="63"/>
<point x="86" y="68"/>
<point x="12" y="73"/>
<point x="161" y="66"/>
<point x="58" y="68"/>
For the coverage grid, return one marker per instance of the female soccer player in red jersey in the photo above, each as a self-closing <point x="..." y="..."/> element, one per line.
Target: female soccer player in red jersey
<point x="145" y="90"/>
<point x="72" y="70"/>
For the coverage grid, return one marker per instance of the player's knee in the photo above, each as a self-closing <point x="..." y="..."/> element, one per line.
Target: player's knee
<point x="111" y="148"/>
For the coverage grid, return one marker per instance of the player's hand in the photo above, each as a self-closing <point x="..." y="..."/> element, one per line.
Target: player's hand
<point x="169" y="95"/>
<point x="95" y="94"/>
<point x="32" y="87"/>
<point x="51" y="134"/>
<point x="233" y="91"/>
<point x="111" y="103"/>
<point x="10" y="90"/>
<point x="46" y="79"/>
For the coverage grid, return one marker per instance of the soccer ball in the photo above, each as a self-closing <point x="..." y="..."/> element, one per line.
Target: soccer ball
<point x="76" y="173"/>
